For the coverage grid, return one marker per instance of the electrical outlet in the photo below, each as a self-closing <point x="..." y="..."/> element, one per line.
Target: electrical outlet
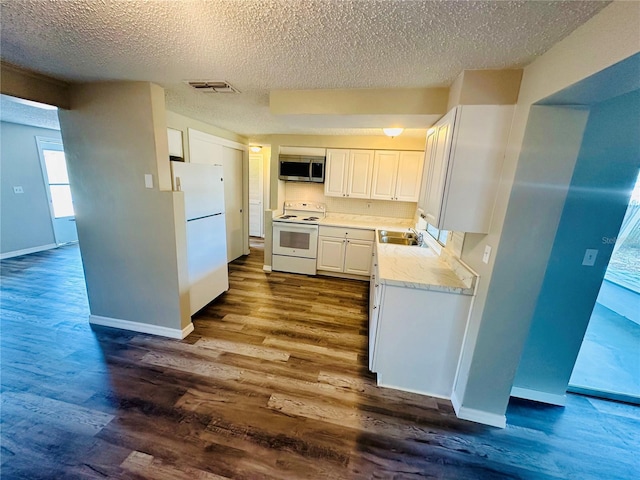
<point x="487" y="254"/>
<point x="589" y="259"/>
<point x="148" y="180"/>
<point x="18" y="190"/>
<point x="368" y="204"/>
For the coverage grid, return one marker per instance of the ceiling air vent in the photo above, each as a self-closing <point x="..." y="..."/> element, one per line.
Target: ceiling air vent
<point x="208" y="86"/>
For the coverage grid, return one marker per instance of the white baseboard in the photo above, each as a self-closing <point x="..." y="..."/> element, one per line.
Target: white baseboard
<point x="538" y="396"/>
<point x="410" y="390"/>
<point x="455" y="401"/>
<point x="141" y="327"/>
<point x="480" y="416"/>
<point x="27" y="251"/>
<point x="266" y="268"/>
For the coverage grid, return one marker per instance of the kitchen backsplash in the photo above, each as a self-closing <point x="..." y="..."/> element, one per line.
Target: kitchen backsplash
<point x="354" y="206"/>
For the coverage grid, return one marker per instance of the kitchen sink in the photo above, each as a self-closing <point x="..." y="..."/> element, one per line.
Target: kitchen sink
<point x="398" y="240"/>
<point x="389" y="233"/>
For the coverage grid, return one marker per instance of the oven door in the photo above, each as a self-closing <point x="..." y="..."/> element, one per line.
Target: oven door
<point x="295" y="240"/>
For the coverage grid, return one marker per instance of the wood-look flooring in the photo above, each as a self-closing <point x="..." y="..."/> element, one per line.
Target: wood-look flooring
<point x="272" y="384"/>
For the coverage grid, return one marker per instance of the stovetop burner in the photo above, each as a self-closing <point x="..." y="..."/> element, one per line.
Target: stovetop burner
<point x="302" y="212"/>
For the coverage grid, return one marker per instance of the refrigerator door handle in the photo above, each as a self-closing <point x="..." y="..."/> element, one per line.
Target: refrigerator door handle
<point x="205" y="216"/>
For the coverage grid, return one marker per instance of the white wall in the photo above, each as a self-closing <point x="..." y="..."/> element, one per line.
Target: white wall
<point x="491" y="353"/>
<point x="25" y="219"/>
<point x="131" y="238"/>
<point x="601" y="185"/>
<point x="182" y="123"/>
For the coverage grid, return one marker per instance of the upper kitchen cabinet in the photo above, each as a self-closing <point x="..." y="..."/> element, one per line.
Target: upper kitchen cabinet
<point x="397" y="176"/>
<point x="463" y="159"/>
<point x="348" y="173"/>
<point x="174" y="137"/>
<point x="430" y="144"/>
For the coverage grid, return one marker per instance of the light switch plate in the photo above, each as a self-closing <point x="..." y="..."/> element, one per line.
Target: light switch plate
<point x="148" y="180"/>
<point x="589" y="259"/>
<point x="487" y="254"/>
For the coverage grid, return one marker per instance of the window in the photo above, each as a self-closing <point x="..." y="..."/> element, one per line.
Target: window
<point x="58" y="180"/>
<point x="441" y="236"/>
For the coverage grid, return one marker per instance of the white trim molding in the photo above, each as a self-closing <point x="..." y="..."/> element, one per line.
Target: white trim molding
<point x="266" y="268"/>
<point x="27" y="251"/>
<point x="538" y="396"/>
<point x="217" y="140"/>
<point x="141" y="327"/>
<point x="478" y="416"/>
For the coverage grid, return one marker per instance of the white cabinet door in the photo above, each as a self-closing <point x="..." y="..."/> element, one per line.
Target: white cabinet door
<point x="358" y="257"/>
<point x="336" y="173"/>
<point x="331" y="252"/>
<point x="359" y="176"/>
<point x="375" y="293"/>
<point x="420" y="352"/>
<point x="465" y="167"/>
<point x="385" y="171"/>
<point x="409" y="176"/>
<point x="438" y="168"/>
<point x="174" y="137"/>
<point x="428" y="158"/>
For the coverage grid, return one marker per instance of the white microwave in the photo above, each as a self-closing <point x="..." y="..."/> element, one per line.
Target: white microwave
<point x="301" y="168"/>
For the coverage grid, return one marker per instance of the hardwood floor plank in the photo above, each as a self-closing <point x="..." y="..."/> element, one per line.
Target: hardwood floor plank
<point x="149" y="467"/>
<point x="309" y="348"/>
<point x="240" y="349"/>
<point x="272" y="383"/>
<point x="73" y="418"/>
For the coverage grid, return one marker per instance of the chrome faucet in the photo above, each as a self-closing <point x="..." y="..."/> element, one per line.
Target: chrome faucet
<point x="419" y="236"/>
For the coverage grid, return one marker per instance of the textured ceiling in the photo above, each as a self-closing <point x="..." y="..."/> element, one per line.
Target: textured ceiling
<point x="261" y="45"/>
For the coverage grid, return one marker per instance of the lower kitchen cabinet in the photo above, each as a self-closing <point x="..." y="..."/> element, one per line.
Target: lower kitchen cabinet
<point x="345" y="250"/>
<point x="416" y="337"/>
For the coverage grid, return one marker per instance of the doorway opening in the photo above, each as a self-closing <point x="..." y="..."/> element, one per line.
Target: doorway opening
<point x="56" y="178"/>
<point x="256" y="195"/>
<point x="608" y="364"/>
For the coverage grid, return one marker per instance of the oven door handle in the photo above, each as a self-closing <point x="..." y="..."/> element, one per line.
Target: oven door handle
<point x="294" y="227"/>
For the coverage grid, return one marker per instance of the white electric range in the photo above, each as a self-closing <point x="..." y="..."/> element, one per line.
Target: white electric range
<point x="295" y="237"/>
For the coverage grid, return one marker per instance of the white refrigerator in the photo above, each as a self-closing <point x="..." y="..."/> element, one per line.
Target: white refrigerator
<point x="203" y="188"/>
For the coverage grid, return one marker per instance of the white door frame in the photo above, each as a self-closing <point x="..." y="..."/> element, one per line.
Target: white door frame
<point x="260" y="159"/>
<point x="46" y="143"/>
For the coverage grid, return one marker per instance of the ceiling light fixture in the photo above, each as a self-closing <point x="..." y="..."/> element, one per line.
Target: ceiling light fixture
<point x="255" y="148"/>
<point x="393" y="132"/>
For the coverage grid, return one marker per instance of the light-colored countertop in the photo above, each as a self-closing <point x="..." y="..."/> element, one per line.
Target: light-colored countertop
<point x="365" y="222"/>
<point x="422" y="268"/>
<point x="409" y="266"/>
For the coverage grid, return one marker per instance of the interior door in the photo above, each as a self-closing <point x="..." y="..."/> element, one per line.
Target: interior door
<point x="233" y="200"/>
<point x="256" y="194"/>
<point x="56" y="177"/>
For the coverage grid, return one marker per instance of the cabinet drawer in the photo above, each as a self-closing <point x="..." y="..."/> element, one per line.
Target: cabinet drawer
<point x="341" y="232"/>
